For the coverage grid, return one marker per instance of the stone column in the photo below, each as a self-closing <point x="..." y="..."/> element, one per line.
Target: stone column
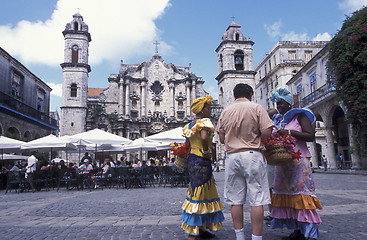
<point x="188" y="99"/>
<point x="172" y="97"/>
<point x="314" y="154"/>
<point x="354" y="157"/>
<point x="127" y="100"/>
<point x="121" y="97"/>
<point x="330" y="147"/>
<point x="143" y="99"/>
<point x="193" y="90"/>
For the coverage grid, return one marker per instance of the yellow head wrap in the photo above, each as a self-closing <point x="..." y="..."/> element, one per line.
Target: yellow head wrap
<point x="199" y="103"/>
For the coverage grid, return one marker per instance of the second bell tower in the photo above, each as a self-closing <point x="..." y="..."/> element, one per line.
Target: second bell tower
<point x="235" y="63"/>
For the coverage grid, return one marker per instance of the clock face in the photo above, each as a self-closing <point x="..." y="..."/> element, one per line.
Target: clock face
<point x="75" y="48"/>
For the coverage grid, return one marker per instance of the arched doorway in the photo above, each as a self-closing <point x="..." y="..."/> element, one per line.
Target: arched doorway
<point x="13" y="132"/>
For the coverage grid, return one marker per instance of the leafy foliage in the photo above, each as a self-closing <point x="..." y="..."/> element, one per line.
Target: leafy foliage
<point x="348" y="71"/>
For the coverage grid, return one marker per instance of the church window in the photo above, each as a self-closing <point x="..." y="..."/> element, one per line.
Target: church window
<point x="180" y="105"/>
<point x="157" y="104"/>
<point x="74" y="54"/>
<point x="72" y="124"/>
<point x="76" y="26"/>
<point x="134" y="104"/>
<point x="237" y="36"/>
<point x="73" y="90"/>
<point x="238" y="59"/>
<point x="156" y="87"/>
<point x="220" y="62"/>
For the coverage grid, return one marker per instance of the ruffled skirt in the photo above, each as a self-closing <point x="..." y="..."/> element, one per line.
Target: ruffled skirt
<point x="202" y="207"/>
<point x="294" y="202"/>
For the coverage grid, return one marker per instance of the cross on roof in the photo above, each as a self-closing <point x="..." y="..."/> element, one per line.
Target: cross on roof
<point x="233" y="18"/>
<point x="156" y="46"/>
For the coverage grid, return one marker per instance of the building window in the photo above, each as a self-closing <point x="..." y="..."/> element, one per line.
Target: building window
<point x="76" y="26"/>
<point x="237" y="36"/>
<point x="73" y="90"/>
<point x="308" y="55"/>
<point x="238" y="60"/>
<point x="180" y="105"/>
<point x="134" y="104"/>
<point x="156" y="88"/>
<point x="74" y="54"/>
<point x="16" y="85"/>
<point x="292" y="55"/>
<point x="269" y="65"/>
<point x="313" y="82"/>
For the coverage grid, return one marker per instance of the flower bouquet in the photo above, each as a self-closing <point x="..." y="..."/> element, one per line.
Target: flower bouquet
<point x="280" y="149"/>
<point x="181" y="151"/>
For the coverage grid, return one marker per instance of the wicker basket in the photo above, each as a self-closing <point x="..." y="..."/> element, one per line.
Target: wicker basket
<point x="181" y="162"/>
<point x="277" y="155"/>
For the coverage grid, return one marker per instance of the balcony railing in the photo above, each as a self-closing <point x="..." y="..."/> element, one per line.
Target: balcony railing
<point x="315" y="96"/>
<point x="16" y="105"/>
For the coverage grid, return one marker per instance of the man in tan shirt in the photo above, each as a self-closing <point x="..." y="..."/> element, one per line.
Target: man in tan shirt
<point x="241" y="127"/>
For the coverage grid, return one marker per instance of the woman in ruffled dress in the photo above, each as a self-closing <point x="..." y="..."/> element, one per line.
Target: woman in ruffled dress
<point x="294" y="201"/>
<point x="202" y="208"/>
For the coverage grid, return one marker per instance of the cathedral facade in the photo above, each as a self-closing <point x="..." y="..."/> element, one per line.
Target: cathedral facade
<point x="142" y="99"/>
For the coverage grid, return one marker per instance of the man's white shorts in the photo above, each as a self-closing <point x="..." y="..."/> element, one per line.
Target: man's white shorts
<point x="246" y="175"/>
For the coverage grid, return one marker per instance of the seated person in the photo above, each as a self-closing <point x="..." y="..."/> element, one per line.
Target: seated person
<point x="86" y="168"/>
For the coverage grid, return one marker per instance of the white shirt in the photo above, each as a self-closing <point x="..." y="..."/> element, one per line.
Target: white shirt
<point x="32" y="164"/>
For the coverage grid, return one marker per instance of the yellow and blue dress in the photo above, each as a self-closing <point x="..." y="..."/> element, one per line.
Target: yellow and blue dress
<point x="202" y="208"/>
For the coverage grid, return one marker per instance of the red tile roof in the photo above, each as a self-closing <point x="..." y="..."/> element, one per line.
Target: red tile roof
<point x="94" y="92"/>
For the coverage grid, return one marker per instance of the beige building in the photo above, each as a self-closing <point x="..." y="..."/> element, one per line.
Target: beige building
<point x="334" y="134"/>
<point x="280" y="65"/>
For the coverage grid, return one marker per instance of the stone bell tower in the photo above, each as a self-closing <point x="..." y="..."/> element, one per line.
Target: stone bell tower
<point x="75" y="70"/>
<point x="235" y="63"/>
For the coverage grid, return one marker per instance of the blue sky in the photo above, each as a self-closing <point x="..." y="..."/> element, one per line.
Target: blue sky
<point x="189" y="31"/>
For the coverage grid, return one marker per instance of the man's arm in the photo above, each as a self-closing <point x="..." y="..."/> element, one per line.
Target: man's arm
<point x="266" y="133"/>
<point x="221" y="137"/>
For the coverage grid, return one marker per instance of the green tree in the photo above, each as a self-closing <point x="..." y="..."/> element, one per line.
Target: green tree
<point x="348" y="71"/>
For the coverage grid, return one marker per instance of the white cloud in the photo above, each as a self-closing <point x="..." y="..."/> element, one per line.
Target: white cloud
<point x="275" y="32"/>
<point x="349" y="6"/>
<point x="120" y="29"/>
<point x="322" y="37"/>
<point x="293" y="36"/>
<point x="56" y="89"/>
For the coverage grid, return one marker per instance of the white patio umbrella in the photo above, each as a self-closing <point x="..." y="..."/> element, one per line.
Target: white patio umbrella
<point x="141" y="144"/>
<point x="99" y="140"/>
<point x="9" y="145"/>
<point x="49" y="143"/>
<point x="167" y="137"/>
<point x="99" y="137"/>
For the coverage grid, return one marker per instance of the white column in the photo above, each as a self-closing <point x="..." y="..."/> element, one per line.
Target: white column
<point x="121" y="97"/>
<point x="127" y="100"/>
<point x="143" y="99"/>
<point x="330" y="147"/>
<point x="172" y="97"/>
<point x="193" y="90"/>
<point x="188" y="99"/>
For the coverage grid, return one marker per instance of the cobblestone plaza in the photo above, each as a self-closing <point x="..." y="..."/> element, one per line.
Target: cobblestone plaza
<point x="154" y="212"/>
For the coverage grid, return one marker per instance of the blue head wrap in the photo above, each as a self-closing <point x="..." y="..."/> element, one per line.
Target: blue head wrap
<point x="282" y="93"/>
